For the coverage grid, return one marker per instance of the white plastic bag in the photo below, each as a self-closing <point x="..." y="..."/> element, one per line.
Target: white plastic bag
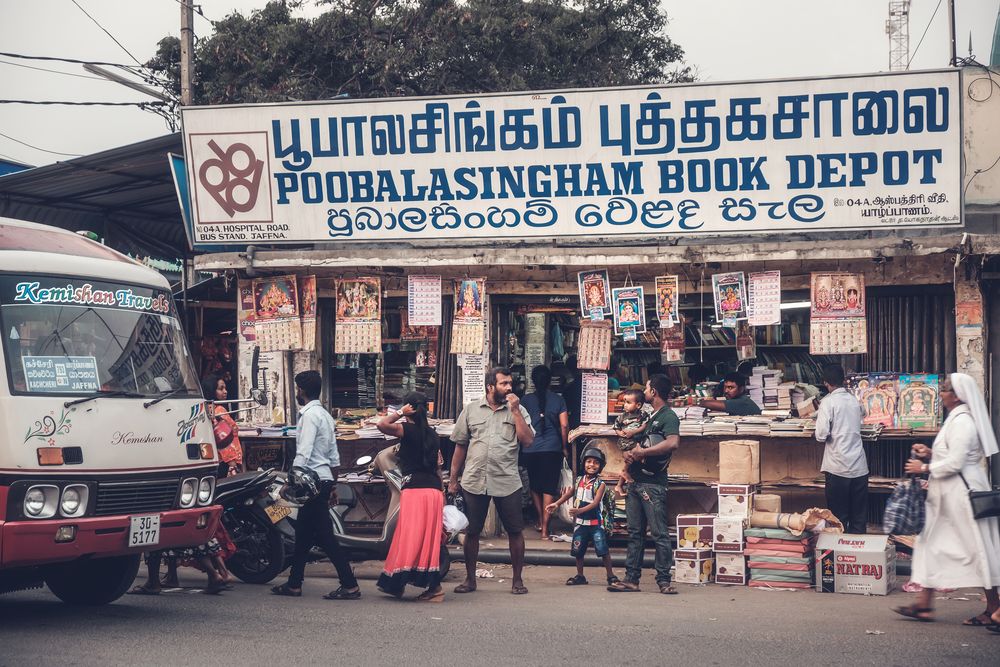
<point x="565" y="482"/>
<point x="454" y="520"/>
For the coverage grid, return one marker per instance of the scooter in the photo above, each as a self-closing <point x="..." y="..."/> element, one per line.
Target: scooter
<point x="358" y="548"/>
<point x="361" y="548"/>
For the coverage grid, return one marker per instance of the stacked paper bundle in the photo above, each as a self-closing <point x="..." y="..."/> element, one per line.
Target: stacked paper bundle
<point x="692" y="427"/>
<point x="793" y="427"/>
<point x="720" y="426"/>
<point x="779" y="559"/>
<point x="753" y="426"/>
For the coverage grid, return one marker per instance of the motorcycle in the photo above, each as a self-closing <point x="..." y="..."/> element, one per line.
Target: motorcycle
<point x="261" y="522"/>
<point x="256" y="524"/>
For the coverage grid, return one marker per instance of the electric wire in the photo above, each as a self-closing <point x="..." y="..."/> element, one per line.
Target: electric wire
<point x="113" y="38"/>
<point x="914" y="54"/>
<point x="53" y="71"/>
<point x="44" y="150"/>
<point x="141" y="105"/>
<point x="63" y="60"/>
<point x="197" y="10"/>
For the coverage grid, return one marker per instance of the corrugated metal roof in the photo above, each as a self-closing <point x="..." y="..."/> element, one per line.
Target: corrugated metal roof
<point x="126" y="195"/>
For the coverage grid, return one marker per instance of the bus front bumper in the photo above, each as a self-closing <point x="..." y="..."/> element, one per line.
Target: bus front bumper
<point x="25" y="543"/>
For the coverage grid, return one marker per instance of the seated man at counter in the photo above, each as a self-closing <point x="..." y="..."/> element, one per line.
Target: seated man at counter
<point x="734" y="387"/>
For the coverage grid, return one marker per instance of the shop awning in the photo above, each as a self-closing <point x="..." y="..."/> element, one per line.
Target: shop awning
<point x="126" y="195"/>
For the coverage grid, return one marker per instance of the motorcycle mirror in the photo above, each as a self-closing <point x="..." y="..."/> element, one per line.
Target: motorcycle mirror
<point x="364" y="460"/>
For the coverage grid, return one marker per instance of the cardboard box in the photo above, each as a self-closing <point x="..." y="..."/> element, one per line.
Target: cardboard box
<point x="767" y="502"/>
<point x="862" y="564"/>
<point x="731" y="569"/>
<point x="736" y="500"/>
<point x="728" y="534"/>
<point x="693" y="566"/>
<point x="694" y="531"/>
<point x="739" y="462"/>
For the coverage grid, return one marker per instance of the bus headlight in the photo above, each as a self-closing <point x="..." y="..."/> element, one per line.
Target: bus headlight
<point x="205" y="489"/>
<point x="40" y="501"/>
<point x="74" y="500"/>
<point x="188" y="491"/>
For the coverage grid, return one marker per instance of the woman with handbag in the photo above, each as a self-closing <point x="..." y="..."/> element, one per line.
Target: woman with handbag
<point x="955" y="549"/>
<point x="415" y="553"/>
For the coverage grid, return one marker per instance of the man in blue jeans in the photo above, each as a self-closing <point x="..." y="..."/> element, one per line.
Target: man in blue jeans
<point x="646" y="502"/>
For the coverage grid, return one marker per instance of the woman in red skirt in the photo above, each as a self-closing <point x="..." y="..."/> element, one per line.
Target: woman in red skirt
<point x="415" y="555"/>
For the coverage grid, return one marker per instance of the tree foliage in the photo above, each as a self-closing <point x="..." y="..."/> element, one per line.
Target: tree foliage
<point x="379" y="48"/>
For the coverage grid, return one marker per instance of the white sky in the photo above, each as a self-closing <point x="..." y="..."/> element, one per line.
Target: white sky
<point x="725" y="40"/>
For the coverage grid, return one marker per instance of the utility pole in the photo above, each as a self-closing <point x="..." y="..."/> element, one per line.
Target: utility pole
<point x="951" y="33"/>
<point x="187" y="50"/>
<point x="897" y="26"/>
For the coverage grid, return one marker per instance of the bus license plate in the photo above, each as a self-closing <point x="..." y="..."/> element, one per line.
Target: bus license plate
<point x="144" y="531"/>
<point x="277" y="512"/>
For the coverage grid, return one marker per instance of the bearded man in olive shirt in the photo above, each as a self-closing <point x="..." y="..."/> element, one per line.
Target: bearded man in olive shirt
<point x="488" y="436"/>
<point x="734" y="388"/>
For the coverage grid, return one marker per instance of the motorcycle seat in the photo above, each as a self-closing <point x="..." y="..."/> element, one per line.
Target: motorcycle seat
<point x="236" y="481"/>
<point x="346" y="496"/>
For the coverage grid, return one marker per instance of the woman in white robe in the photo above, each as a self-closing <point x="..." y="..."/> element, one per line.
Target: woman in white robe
<point x="955" y="550"/>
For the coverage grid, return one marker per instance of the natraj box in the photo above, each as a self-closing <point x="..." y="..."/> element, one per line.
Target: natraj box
<point x="728" y="534"/>
<point x="863" y="564"/>
<point x="694" y="531"/>
<point x="731" y="569"/>
<point x="693" y="566"/>
<point x="736" y="499"/>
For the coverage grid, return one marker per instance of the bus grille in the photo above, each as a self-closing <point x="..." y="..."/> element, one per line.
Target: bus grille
<point x="130" y="497"/>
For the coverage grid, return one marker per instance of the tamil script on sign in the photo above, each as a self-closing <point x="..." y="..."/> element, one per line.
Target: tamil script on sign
<point x="863" y="152"/>
<point x="61" y="374"/>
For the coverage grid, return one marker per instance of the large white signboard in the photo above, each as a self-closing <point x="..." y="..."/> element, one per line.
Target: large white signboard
<point x="861" y="153"/>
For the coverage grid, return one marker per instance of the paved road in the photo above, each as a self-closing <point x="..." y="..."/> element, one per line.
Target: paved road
<point x="704" y="625"/>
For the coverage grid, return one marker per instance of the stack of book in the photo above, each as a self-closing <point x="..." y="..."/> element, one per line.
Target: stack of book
<point x="753" y="426"/>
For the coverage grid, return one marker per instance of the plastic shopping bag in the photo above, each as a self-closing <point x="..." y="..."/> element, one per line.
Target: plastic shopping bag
<point x="905" y="512"/>
<point x="454" y="520"/>
<point x="565" y="482"/>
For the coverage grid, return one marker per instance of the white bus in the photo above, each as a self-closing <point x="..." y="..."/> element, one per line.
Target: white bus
<point x="106" y="450"/>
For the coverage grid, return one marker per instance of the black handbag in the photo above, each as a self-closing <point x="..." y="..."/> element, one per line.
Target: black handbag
<point x="985" y="504"/>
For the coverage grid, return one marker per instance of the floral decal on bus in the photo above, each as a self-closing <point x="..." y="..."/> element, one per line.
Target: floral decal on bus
<point x="48" y="426"/>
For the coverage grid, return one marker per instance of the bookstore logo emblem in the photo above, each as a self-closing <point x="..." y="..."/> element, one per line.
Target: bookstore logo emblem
<point x="230" y="177"/>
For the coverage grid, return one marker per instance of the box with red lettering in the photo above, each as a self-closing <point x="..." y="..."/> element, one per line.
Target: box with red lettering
<point x="862" y="564"/>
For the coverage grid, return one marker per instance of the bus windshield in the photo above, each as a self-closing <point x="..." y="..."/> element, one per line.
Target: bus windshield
<point x="72" y="336"/>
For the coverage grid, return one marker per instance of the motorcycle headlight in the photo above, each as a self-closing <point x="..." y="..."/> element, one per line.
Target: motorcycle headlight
<point x="188" y="491"/>
<point x="205" y="489"/>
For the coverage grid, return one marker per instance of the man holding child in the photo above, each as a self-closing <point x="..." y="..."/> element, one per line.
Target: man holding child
<point x="646" y="499"/>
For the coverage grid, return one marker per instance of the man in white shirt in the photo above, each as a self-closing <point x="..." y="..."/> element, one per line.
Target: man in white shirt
<point x="838" y="424"/>
<point x="316" y="450"/>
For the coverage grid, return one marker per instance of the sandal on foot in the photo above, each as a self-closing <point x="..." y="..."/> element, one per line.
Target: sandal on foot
<point x="994" y="627"/>
<point x="578" y="580"/>
<point x="464" y="588"/>
<point x="427" y="596"/>
<point x="142" y="590"/>
<point x="520" y="589"/>
<point x="915" y="613"/>
<point x="667" y="589"/>
<point x="612" y="580"/>
<point x="623" y="587"/>
<point x="978" y="622"/>
<point x="284" y="590"/>
<point x="342" y="594"/>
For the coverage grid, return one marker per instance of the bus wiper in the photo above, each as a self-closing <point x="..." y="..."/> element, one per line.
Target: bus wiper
<point x="103" y="394"/>
<point x="165" y="395"/>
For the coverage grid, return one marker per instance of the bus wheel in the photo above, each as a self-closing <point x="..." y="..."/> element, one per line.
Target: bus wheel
<point x="92" y="582"/>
